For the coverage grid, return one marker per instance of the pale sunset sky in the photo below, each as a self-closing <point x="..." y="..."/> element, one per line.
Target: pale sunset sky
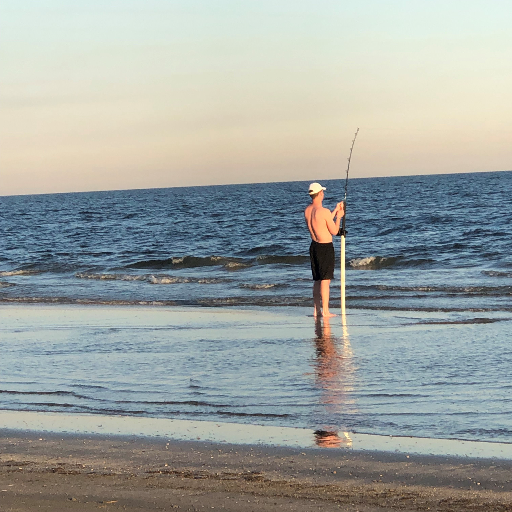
<point x="120" y="94"/>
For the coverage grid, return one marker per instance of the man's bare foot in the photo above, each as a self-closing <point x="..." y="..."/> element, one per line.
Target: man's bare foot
<point x="328" y="314"/>
<point x="317" y="314"/>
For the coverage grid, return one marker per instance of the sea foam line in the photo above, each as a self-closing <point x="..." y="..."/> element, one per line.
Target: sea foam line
<point x="150" y="278"/>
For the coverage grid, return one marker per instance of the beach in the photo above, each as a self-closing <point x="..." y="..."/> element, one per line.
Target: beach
<point x="64" y="473"/>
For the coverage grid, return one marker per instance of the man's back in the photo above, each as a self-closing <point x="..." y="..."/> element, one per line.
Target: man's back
<point x="317" y="219"/>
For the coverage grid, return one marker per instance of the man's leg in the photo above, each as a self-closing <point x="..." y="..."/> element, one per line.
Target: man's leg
<point x="324" y="292"/>
<point x="317" y="300"/>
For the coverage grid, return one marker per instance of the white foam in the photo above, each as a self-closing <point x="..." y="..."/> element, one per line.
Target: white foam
<point x="262" y="286"/>
<point x="363" y="262"/>
<point x="235" y="264"/>
<point x="7" y="273"/>
<point x="110" y="277"/>
<point x="166" y="280"/>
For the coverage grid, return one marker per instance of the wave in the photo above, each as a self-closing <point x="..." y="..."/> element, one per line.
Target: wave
<point x="263" y="286"/>
<point x="262" y="250"/>
<point x="243" y="301"/>
<point x="477" y="320"/>
<point x="177" y="280"/>
<point x="174" y="263"/>
<point x="42" y="267"/>
<point x="496" y="273"/>
<point x="5" y="284"/>
<point x="150" y="278"/>
<point x="236" y="265"/>
<point x="184" y="262"/>
<point x="272" y="259"/>
<point x="229" y="263"/>
<point x="498" y="291"/>
<point x="373" y="262"/>
<point x="252" y="415"/>
<point x="42" y="393"/>
<point x="433" y="309"/>
<point x="142" y="410"/>
<point x="381" y="262"/>
<point x="485" y="432"/>
<point x="92" y="302"/>
<point x="195" y="403"/>
<point x="392" y="395"/>
<point x="168" y="280"/>
<point x="21" y="272"/>
<point x="109" y="277"/>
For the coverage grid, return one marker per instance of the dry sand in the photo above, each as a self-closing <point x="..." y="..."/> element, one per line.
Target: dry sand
<point x="84" y="473"/>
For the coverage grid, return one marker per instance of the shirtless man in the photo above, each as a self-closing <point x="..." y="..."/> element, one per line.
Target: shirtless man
<point x="321" y="225"/>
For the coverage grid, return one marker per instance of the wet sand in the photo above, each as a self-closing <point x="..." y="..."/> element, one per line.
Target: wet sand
<point x="84" y="473"/>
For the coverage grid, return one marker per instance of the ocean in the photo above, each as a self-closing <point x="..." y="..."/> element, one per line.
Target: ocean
<point x="429" y="266"/>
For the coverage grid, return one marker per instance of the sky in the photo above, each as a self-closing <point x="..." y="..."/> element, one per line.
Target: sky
<point x="123" y="94"/>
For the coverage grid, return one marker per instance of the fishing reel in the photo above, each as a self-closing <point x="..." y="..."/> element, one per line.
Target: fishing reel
<point x="342" y="232"/>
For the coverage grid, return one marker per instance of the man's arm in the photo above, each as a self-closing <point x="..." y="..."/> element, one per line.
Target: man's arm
<point x="339" y="207"/>
<point x="338" y="212"/>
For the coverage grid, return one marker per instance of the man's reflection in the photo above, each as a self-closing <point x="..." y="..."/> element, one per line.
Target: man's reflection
<point x="333" y="371"/>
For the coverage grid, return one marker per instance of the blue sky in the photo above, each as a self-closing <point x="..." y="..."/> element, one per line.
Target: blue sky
<point x="151" y="93"/>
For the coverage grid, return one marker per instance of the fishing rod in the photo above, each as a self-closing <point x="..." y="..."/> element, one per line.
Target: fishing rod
<point x="343" y="232"/>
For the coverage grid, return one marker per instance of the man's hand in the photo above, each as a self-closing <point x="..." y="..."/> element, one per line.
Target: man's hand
<point x="340" y="209"/>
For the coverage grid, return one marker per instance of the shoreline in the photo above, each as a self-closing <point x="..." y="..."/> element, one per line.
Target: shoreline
<point x="242" y="434"/>
<point x="61" y="473"/>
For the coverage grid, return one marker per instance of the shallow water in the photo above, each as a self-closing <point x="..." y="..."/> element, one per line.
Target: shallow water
<point x="439" y="375"/>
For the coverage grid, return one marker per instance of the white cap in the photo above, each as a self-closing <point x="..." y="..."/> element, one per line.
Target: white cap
<point x="314" y="188"/>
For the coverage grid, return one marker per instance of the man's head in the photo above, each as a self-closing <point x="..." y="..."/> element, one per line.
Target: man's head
<point x="315" y="189"/>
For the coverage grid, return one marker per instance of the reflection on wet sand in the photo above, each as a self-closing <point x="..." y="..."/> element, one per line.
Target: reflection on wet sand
<point x="334" y="371"/>
<point x="332" y="439"/>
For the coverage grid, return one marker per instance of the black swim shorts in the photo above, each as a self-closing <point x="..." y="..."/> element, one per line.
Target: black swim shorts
<point x="322" y="260"/>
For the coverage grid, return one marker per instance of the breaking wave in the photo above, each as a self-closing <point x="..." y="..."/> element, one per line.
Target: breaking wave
<point x="27" y="272"/>
<point x="262" y="286"/>
<point x="230" y="263"/>
<point x="110" y="277"/>
<point x="184" y="262"/>
<point x="381" y="262"/>
<point x="373" y="262"/>
<point x="177" y="280"/>
<point x="150" y="278"/>
<point x="236" y="265"/>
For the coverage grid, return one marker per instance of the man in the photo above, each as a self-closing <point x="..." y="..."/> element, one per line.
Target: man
<point x="321" y="225"/>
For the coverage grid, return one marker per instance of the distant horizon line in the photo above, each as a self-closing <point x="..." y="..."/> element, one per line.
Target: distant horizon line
<point x="342" y="178"/>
